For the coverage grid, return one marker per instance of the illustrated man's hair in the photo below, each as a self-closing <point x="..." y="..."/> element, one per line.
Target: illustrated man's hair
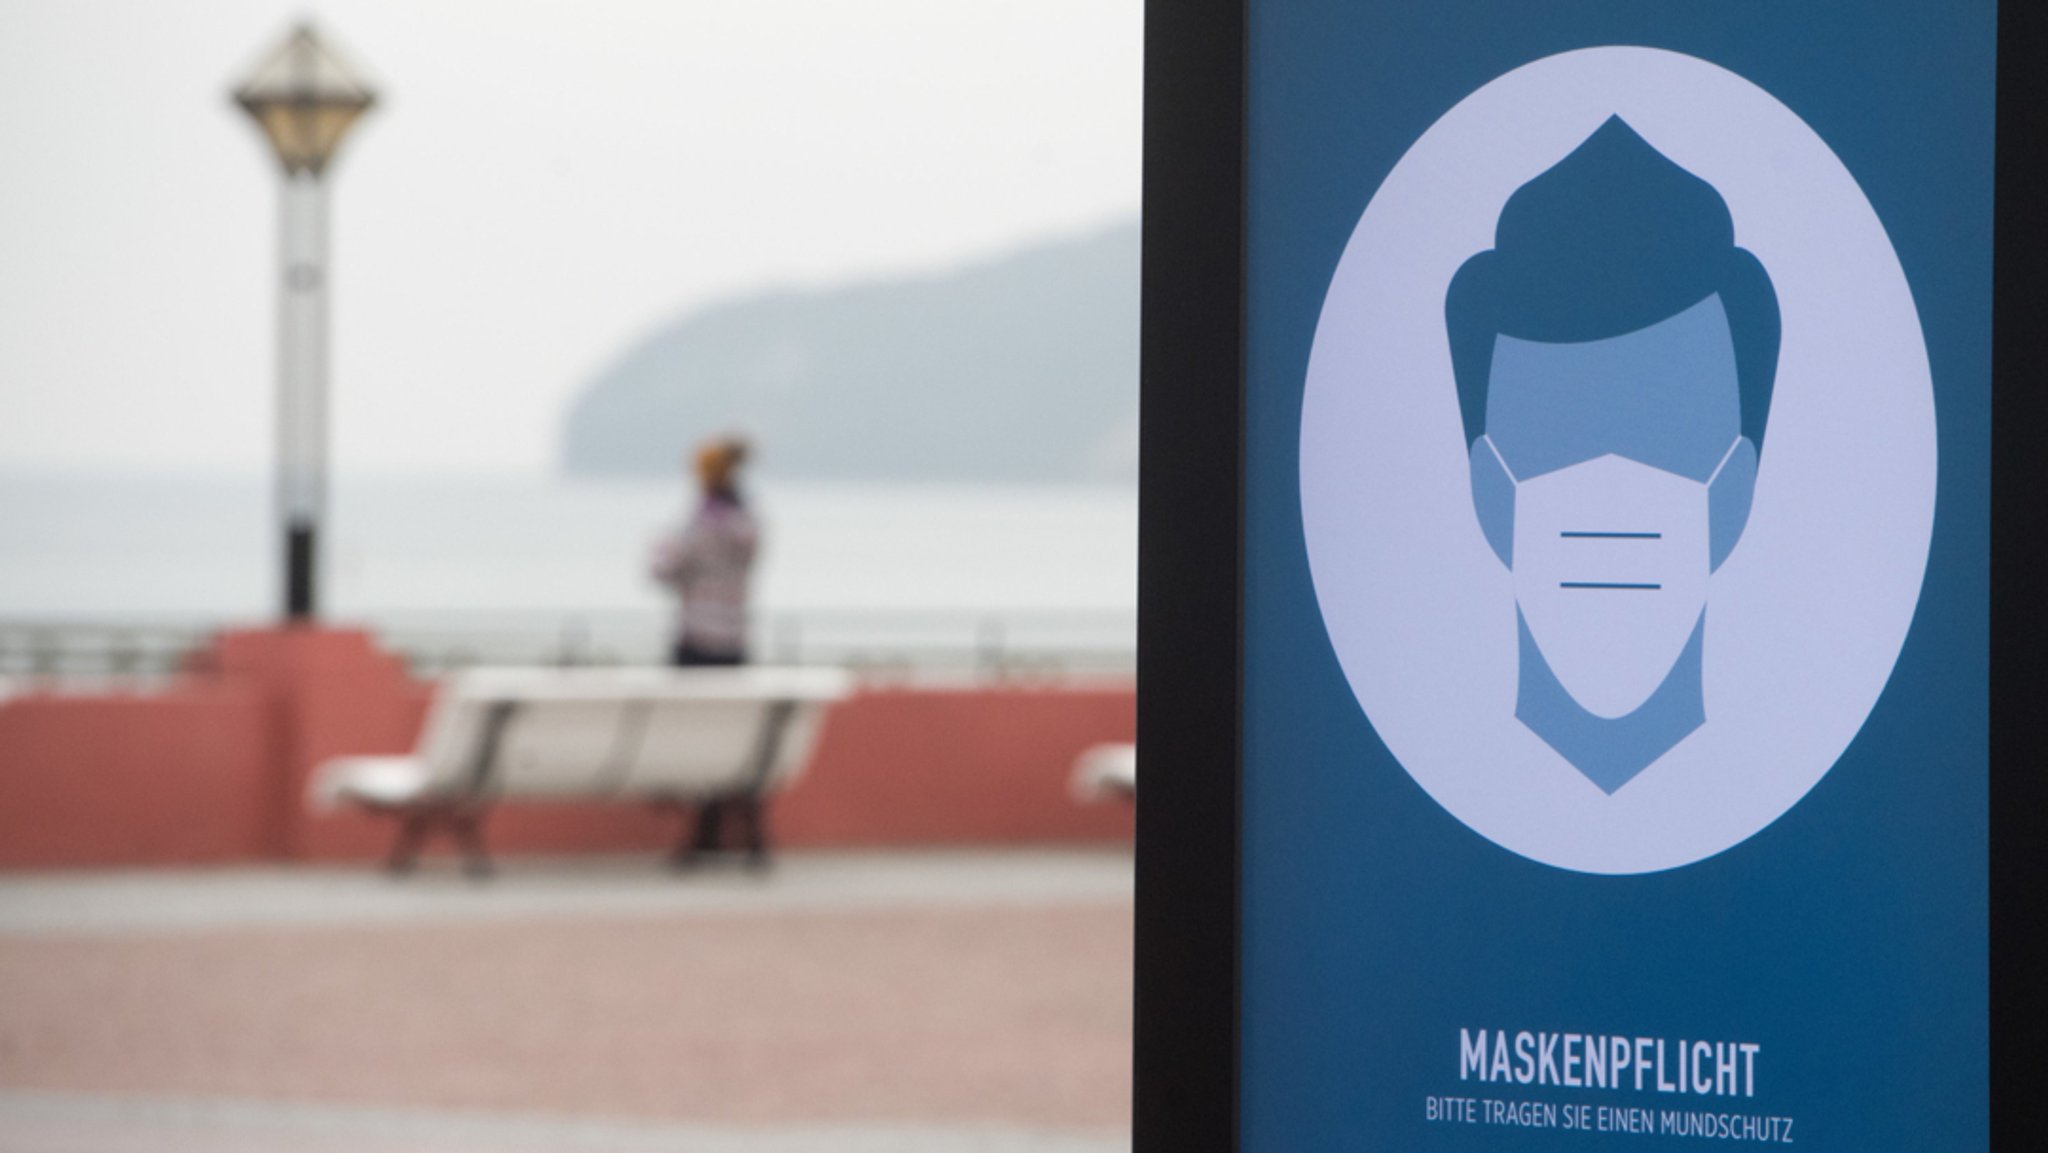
<point x="1613" y="238"/>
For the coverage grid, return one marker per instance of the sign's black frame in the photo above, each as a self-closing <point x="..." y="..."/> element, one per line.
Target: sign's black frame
<point x="1190" y="573"/>
<point x="1190" y="566"/>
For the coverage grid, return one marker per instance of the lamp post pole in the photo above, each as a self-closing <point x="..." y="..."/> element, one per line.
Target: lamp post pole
<point x="302" y="385"/>
<point x="305" y="101"/>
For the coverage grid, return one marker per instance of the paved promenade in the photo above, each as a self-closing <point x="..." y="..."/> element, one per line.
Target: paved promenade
<point x="844" y="1002"/>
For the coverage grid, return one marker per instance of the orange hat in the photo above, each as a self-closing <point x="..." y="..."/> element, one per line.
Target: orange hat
<point x="718" y="458"/>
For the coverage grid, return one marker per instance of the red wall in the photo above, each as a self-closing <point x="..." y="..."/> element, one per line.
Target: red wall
<point x="216" y="769"/>
<point x="170" y="777"/>
<point x="969" y="766"/>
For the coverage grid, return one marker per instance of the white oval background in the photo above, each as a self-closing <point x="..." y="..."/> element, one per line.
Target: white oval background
<point x="1806" y="618"/>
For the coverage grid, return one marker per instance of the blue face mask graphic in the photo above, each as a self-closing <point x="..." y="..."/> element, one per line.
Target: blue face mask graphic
<point x="1613" y="465"/>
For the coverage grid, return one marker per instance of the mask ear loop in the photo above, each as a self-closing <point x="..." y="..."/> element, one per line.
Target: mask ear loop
<point x="1513" y="479"/>
<point x="1725" y="458"/>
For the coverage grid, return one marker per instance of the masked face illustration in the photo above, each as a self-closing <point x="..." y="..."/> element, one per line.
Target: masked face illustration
<point x="1614" y="354"/>
<point x="1613" y="482"/>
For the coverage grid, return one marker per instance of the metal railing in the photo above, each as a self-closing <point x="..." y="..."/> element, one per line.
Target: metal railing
<point x="1010" y="645"/>
<point x="85" y="651"/>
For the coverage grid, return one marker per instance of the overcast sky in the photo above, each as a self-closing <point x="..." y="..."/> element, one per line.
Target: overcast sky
<point x="541" y="184"/>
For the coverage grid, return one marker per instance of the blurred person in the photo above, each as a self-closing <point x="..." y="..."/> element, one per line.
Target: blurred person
<point x="709" y="563"/>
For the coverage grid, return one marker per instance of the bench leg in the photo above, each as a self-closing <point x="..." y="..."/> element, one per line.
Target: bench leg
<point x="711" y="826"/>
<point x="417" y="824"/>
<point x="685" y="853"/>
<point x="703" y="831"/>
<point x="468" y="826"/>
<point x="755" y="813"/>
<point x="715" y="822"/>
<point x="413" y="826"/>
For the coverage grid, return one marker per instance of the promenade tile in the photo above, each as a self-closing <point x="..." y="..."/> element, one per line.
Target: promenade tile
<point x="85" y="1123"/>
<point x="846" y="1001"/>
<point x="824" y="882"/>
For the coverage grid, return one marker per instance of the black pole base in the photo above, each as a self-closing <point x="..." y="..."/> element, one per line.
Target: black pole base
<point x="298" y="571"/>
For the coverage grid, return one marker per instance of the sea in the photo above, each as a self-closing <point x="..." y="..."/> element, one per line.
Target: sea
<point x="552" y="567"/>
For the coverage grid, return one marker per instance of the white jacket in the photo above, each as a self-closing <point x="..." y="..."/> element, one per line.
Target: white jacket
<point x="709" y="563"/>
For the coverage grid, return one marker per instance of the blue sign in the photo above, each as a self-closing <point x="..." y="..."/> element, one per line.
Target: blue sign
<point x="1616" y="594"/>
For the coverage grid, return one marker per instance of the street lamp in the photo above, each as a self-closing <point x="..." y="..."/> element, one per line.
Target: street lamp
<point x="305" y="100"/>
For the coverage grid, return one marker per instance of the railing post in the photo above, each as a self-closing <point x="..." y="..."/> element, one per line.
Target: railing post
<point x="787" y="629"/>
<point x="991" y="645"/>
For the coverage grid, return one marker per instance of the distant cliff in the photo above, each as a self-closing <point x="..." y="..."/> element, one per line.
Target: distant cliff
<point x="1021" y="368"/>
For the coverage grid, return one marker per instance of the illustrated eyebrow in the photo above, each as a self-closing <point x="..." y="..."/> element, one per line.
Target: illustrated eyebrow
<point x="1604" y="585"/>
<point x="1613" y="535"/>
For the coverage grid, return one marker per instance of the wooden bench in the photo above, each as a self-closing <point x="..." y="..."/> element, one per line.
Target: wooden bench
<point x="714" y="742"/>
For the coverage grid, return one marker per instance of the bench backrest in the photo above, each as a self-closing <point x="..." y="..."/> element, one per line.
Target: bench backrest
<point x="641" y="732"/>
